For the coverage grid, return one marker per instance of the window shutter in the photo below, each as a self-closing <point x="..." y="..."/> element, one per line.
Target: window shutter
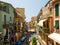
<point x="57" y="10"/>
<point x="57" y="24"/>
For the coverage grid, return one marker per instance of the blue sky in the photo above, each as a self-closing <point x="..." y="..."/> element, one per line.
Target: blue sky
<point x="32" y="7"/>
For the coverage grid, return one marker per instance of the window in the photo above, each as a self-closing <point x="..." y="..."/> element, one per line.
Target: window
<point x="57" y="24"/>
<point x="57" y="10"/>
<point x="0" y="7"/>
<point x="4" y="8"/>
<point x="10" y="19"/>
<point x="4" y="19"/>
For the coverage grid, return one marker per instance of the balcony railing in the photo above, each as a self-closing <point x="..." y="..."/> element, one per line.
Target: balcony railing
<point x="16" y="19"/>
<point x="6" y="25"/>
<point x="45" y="16"/>
<point x="46" y="12"/>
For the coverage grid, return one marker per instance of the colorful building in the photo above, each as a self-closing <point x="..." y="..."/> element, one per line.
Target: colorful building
<point x="19" y="21"/>
<point x="56" y="21"/>
<point x="49" y="22"/>
<point x="6" y="17"/>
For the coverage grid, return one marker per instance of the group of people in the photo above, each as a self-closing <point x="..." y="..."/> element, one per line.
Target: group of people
<point x="11" y="38"/>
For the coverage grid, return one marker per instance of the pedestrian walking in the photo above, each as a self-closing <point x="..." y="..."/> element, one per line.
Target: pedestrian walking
<point x="5" y="40"/>
<point x="14" y="39"/>
<point x="11" y="38"/>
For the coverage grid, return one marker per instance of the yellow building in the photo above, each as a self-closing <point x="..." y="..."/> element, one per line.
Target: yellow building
<point x="19" y="21"/>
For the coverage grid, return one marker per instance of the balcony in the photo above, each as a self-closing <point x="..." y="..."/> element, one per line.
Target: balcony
<point x="44" y="30"/>
<point x="46" y="12"/>
<point x="6" y="26"/>
<point x="16" y="19"/>
<point x="45" y="16"/>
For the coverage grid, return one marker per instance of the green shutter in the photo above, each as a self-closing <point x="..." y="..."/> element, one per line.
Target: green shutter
<point x="57" y="10"/>
<point x="4" y="19"/>
<point x="57" y="24"/>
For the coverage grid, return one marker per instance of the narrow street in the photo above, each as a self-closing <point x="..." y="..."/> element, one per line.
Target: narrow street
<point x="28" y="40"/>
<point x="29" y="22"/>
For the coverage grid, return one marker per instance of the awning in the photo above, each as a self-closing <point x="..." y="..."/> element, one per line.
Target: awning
<point x="55" y="37"/>
<point x="31" y="30"/>
<point x="41" y="22"/>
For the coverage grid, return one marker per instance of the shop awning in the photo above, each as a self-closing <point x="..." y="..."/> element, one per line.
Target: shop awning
<point x="41" y="22"/>
<point x="55" y="37"/>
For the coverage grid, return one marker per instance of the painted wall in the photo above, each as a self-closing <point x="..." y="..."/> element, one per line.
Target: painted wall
<point x="8" y="15"/>
<point x="58" y="18"/>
